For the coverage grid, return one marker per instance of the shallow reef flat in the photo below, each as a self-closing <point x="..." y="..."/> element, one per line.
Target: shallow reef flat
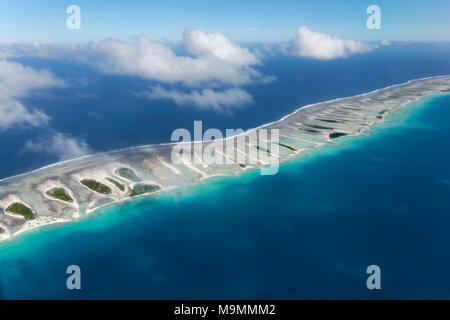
<point x="98" y="180"/>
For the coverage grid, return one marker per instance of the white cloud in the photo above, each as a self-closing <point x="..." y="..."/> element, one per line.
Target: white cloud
<point x="73" y="52"/>
<point x="216" y="44"/>
<point x="311" y="44"/>
<point x="263" y="51"/>
<point x="214" y="59"/>
<point x="222" y="101"/>
<point x="60" y="145"/>
<point x="211" y="60"/>
<point x="17" y="81"/>
<point x="13" y="112"/>
<point x="385" y="43"/>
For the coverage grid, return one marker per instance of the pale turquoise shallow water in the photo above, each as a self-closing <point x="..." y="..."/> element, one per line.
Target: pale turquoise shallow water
<point x="308" y="232"/>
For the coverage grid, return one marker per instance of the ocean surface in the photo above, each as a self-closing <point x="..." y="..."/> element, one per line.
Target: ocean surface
<point x="106" y="111"/>
<point x="308" y="232"/>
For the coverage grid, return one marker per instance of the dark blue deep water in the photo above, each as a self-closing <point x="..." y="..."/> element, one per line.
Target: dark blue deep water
<point x="308" y="232"/>
<point x="105" y="111"/>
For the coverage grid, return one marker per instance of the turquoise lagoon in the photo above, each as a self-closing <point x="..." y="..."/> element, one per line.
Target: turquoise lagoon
<point x="308" y="232"/>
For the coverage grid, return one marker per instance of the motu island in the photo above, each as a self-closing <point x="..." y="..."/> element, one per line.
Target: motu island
<point x="72" y="189"/>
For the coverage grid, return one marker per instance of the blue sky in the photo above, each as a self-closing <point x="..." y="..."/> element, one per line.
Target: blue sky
<point x="249" y="21"/>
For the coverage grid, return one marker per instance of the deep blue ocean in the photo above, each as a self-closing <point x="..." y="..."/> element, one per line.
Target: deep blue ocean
<point x="106" y="112"/>
<point x="308" y="232"/>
